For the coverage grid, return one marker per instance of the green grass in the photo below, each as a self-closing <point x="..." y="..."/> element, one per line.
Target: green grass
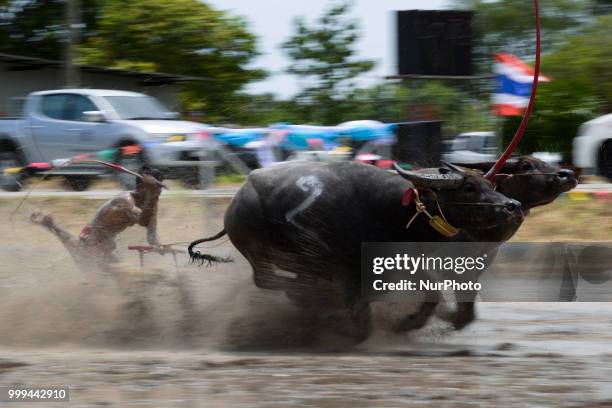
<point x="230" y="179"/>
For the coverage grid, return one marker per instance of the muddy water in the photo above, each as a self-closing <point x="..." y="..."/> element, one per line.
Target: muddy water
<point x="514" y="356"/>
<point x="166" y="336"/>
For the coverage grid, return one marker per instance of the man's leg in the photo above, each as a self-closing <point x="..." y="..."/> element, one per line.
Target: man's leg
<point x="71" y="243"/>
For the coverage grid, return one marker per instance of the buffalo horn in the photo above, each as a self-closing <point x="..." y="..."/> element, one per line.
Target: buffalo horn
<point x="449" y="180"/>
<point x="452" y="166"/>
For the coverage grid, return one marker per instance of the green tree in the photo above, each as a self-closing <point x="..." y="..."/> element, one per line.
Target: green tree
<point x="581" y="89"/>
<point x="261" y="110"/>
<point x="176" y="36"/>
<point x="509" y="25"/>
<point x="36" y="28"/>
<point x="324" y="54"/>
<point x="577" y="50"/>
<point x="582" y="70"/>
<point x="181" y="37"/>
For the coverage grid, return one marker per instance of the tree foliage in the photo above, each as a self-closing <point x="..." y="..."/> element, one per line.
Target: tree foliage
<point x="175" y="36"/>
<point x="509" y="25"/>
<point x="324" y="55"/>
<point x="577" y="52"/>
<point x="582" y="70"/>
<point x="37" y="28"/>
<point x="581" y="89"/>
<point x="184" y="37"/>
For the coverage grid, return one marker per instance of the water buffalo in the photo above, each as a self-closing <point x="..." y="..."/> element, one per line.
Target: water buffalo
<point x="526" y="179"/>
<point x="308" y="220"/>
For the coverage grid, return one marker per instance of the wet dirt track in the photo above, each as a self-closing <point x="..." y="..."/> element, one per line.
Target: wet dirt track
<point x="193" y="337"/>
<point x="507" y="359"/>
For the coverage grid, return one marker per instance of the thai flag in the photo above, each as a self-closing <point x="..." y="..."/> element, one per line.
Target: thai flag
<point x="514" y="79"/>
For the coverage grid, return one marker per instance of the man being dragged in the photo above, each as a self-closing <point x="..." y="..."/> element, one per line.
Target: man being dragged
<point x="96" y="242"/>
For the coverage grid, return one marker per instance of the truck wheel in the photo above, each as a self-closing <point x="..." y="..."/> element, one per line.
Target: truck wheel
<point x="78" y="183"/>
<point x="9" y="182"/>
<point x="605" y="160"/>
<point x="132" y="162"/>
<point x="191" y="179"/>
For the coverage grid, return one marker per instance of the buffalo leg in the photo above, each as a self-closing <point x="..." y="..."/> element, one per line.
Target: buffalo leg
<point x="465" y="314"/>
<point x="265" y="277"/>
<point x="418" y="320"/>
<point x="462" y="316"/>
<point x="466" y="308"/>
<point x="361" y="320"/>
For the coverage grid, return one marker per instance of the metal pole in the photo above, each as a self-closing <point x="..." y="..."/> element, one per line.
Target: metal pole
<point x="73" y="26"/>
<point x="206" y="170"/>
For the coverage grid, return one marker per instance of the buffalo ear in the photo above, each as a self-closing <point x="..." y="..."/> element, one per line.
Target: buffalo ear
<point x="510" y="166"/>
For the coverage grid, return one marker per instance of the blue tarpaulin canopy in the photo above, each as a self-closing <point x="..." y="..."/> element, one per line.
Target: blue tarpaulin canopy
<point x="239" y="137"/>
<point x="301" y="137"/>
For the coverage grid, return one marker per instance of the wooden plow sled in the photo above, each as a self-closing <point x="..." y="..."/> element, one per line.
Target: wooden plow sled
<point x="161" y="249"/>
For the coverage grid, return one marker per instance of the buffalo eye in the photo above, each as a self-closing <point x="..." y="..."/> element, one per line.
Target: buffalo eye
<point x="526" y="166"/>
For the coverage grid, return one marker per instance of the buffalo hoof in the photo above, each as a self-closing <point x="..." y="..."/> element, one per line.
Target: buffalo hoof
<point x="353" y="324"/>
<point x="460" y="320"/>
<point x="412" y="322"/>
<point x="417" y="320"/>
<point x="358" y="326"/>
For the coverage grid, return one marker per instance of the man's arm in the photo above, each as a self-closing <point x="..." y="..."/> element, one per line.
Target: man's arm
<point x="148" y="218"/>
<point x="152" y="237"/>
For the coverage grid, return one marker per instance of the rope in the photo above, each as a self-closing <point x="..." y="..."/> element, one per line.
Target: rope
<point x="421" y="209"/>
<point x="526" y="174"/>
<point x="43" y="178"/>
<point x="113" y="166"/>
<point x="519" y="133"/>
<point x="487" y="204"/>
<point x="440" y="211"/>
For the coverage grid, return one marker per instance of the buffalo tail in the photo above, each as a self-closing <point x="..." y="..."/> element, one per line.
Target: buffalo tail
<point x="196" y="256"/>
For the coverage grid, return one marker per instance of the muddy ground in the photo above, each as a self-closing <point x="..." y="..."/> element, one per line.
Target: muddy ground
<point x="187" y="336"/>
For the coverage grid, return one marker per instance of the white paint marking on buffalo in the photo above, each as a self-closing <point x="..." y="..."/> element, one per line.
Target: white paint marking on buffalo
<point x="310" y="184"/>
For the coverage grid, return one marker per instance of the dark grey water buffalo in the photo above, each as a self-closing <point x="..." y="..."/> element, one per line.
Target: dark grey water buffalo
<point x="309" y="219"/>
<point x="526" y="179"/>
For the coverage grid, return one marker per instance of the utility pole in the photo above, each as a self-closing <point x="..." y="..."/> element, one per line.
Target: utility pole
<point x="73" y="26"/>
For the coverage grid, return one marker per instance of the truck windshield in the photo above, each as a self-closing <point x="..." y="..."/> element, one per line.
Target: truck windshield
<point x="138" y="107"/>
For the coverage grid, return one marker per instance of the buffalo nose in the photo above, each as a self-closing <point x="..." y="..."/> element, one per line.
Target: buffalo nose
<point x="512" y="206"/>
<point x="565" y="174"/>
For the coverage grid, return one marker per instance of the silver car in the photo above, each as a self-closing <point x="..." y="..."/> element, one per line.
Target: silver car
<point x="63" y="123"/>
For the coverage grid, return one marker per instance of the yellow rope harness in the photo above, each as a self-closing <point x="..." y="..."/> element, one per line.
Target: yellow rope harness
<point x="437" y="222"/>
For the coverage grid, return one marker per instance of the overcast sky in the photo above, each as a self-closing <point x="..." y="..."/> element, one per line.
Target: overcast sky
<point x="271" y="21"/>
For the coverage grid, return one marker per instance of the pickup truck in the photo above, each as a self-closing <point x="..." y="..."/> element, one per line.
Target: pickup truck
<point x="592" y="150"/>
<point x="471" y="147"/>
<point x="63" y="123"/>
